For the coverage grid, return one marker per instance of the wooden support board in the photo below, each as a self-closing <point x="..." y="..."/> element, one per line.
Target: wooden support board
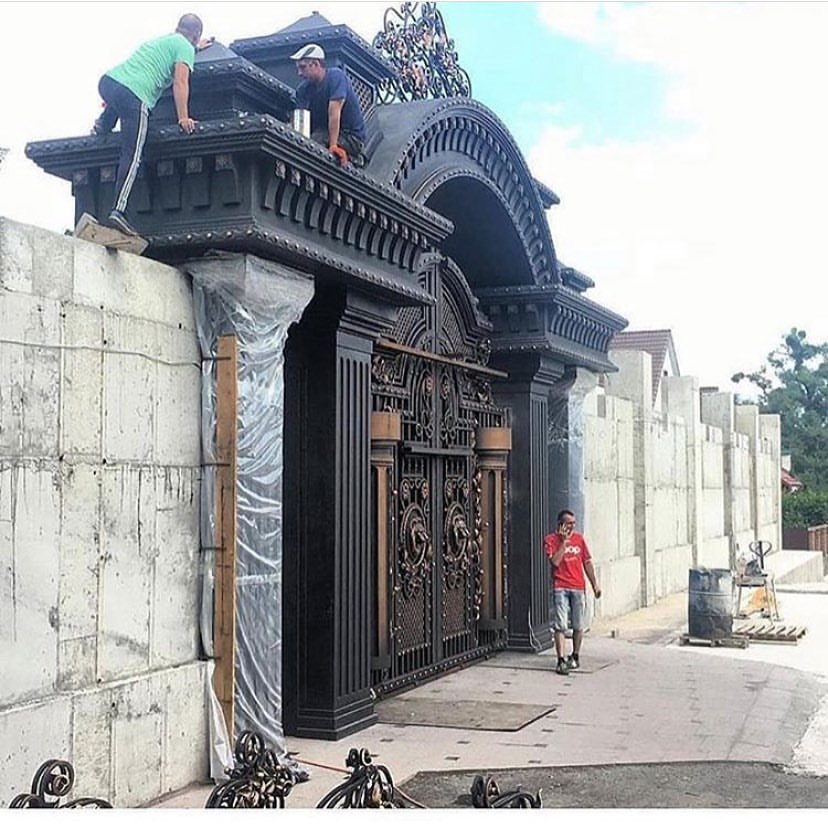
<point x="735" y="640"/>
<point x="769" y="631"/>
<point x="224" y="605"/>
<point x="90" y="229"/>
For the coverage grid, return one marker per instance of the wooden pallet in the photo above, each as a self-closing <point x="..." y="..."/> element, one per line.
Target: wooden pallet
<point x="770" y="631"/>
<point x="734" y="640"/>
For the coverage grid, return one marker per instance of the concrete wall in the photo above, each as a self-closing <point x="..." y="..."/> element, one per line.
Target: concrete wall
<point x="99" y="537"/>
<point x="688" y="482"/>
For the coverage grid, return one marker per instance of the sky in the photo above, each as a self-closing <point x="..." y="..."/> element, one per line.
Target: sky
<point x="686" y="141"/>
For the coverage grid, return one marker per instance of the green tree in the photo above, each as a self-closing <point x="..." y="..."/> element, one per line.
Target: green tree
<point x="794" y="384"/>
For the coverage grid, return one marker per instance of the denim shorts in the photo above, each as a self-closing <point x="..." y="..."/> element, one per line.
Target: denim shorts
<point x="568" y="609"/>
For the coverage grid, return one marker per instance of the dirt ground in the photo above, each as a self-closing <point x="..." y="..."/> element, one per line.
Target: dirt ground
<point x="673" y="785"/>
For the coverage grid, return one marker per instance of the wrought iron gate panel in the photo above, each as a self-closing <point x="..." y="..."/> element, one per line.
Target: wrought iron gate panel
<point x="434" y="536"/>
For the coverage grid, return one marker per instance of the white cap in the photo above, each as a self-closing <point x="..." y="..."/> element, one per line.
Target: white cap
<point x="310" y="51"/>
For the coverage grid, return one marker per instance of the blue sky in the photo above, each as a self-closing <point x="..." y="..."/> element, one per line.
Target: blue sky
<point x="520" y="67"/>
<point x="686" y="140"/>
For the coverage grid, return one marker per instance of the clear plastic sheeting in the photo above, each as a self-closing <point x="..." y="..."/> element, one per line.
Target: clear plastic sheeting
<point x="256" y="301"/>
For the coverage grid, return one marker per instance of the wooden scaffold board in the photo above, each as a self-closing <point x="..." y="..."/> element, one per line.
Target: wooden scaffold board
<point x="771" y="631"/>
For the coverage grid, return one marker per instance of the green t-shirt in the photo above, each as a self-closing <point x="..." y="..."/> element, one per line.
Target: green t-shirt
<point x="149" y="70"/>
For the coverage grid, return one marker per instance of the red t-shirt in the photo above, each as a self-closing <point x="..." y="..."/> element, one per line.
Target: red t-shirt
<point x="569" y="573"/>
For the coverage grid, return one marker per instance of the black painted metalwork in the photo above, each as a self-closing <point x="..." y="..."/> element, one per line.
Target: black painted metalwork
<point x="368" y="786"/>
<point x="52" y="782"/>
<point x="485" y="793"/>
<point x="438" y="385"/>
<point x="423" y="55"/>
<point x="258" y="780"/>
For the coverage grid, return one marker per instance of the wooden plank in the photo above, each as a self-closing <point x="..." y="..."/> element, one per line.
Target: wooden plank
<point x="224" y="620"/>
<point x="90" y="229"/>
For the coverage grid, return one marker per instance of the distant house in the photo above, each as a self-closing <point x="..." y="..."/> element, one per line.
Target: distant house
<point x="661" y="348"/>
<point x="790" y="483"/>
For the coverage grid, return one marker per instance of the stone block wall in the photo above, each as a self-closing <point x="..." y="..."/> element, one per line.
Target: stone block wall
<point x="699" y="477"/>
<point x="99" y="537"/>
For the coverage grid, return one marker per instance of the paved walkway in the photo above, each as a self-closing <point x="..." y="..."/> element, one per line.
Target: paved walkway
<point x="639" y="697"/>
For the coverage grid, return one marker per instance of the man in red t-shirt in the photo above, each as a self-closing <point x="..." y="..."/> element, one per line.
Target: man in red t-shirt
<point x="569" y="554"/>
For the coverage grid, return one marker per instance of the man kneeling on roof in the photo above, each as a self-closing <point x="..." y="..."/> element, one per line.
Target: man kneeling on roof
<point x="336" y="117"/>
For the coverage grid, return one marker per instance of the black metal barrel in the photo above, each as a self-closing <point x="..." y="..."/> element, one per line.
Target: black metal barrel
<point x="710" y="604"/>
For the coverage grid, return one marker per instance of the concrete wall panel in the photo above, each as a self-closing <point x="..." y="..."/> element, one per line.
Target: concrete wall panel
<point x="125" y="575"/>
<point x="29" y="735"/>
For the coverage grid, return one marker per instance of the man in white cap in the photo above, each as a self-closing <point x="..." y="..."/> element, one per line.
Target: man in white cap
<point x="336" y="117"/>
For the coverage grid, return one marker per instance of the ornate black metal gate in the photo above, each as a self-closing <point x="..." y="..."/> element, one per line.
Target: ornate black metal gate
<point x="439" y="463"/>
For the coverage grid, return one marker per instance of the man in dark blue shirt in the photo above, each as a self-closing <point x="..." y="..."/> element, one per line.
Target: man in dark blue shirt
<point x="336" y="117"/>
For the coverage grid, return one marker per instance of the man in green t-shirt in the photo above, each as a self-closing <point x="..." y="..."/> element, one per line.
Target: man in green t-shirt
<point x="132" y="89"/>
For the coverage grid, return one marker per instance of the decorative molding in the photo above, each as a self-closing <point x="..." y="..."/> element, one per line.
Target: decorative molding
<point x="423" y="55"/>
<point x="470" y="129"/>
<point x="252" y="237"/>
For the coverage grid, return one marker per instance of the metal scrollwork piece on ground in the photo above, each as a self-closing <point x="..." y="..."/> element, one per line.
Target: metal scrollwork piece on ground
<point x="258" y="780"/>
<point x="424" y="56"/>
<point x="368" y="786"/>
<point x="53" y="781"/>
<point x="486" y="794"/>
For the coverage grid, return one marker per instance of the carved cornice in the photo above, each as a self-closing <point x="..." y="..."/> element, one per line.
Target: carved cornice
<point x="574" y="278"/>
<point x="227" y="84"/>
<point x="303" y="160"/>
<point x="552" y="319"/>
<point x="334" y="39"/>
<point x="277" y="245"/>
<point x="468" y="128"/>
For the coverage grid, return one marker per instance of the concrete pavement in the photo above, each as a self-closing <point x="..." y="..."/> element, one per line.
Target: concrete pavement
<point x="639" y="697"/>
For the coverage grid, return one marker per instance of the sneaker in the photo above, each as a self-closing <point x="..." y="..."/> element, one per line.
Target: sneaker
<point x="562" y="669"/>
<point x="573" y="662"/>
<point x="118" y="220"/>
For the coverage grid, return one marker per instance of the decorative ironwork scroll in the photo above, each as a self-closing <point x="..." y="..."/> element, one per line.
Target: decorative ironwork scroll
<point x="258" y="780"/>
<point x="458" y="540"/>
<point x="53" y="781"/>
<point x="416" y="550"/>
<point x="368" y="786"/>
<point x="486" y="794"/>
<point x="419" y="48"/>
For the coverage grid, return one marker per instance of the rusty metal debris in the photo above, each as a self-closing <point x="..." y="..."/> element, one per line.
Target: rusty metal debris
<point x="52" y="782"/>
<point x="486" y="794"/>
<point x="258" y="780"/>
<point x="368" y="786"/>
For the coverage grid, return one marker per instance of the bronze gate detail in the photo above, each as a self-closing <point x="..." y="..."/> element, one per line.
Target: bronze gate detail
<point x="439" y="452"/>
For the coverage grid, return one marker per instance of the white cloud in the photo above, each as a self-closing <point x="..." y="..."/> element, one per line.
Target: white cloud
<point x="717" y="235"/>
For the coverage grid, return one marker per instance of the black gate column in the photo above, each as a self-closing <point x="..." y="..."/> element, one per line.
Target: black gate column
<point x="327" y="564"/>
<point x="526" y="395"/>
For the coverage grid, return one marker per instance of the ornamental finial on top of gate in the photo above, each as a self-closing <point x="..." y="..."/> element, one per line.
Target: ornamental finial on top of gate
<point x="423" y="54"/>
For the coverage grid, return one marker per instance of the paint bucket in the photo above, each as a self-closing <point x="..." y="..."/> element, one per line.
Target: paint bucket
<point x="710" y="604"/>
<point x="300" y="121"/>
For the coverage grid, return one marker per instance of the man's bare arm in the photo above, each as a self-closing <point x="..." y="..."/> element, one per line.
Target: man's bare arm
<point x="334" y="120"/>
<point x="589" y="569"/>
<point x="181" y="96"/>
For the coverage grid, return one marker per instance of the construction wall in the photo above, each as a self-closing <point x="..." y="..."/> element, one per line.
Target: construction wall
<point x="99" y="543"/>
<point x="689" y="483"/>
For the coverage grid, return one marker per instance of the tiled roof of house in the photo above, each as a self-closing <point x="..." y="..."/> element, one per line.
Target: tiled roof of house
<point x="790" y="483"/>
<point x="658" y="344"/>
